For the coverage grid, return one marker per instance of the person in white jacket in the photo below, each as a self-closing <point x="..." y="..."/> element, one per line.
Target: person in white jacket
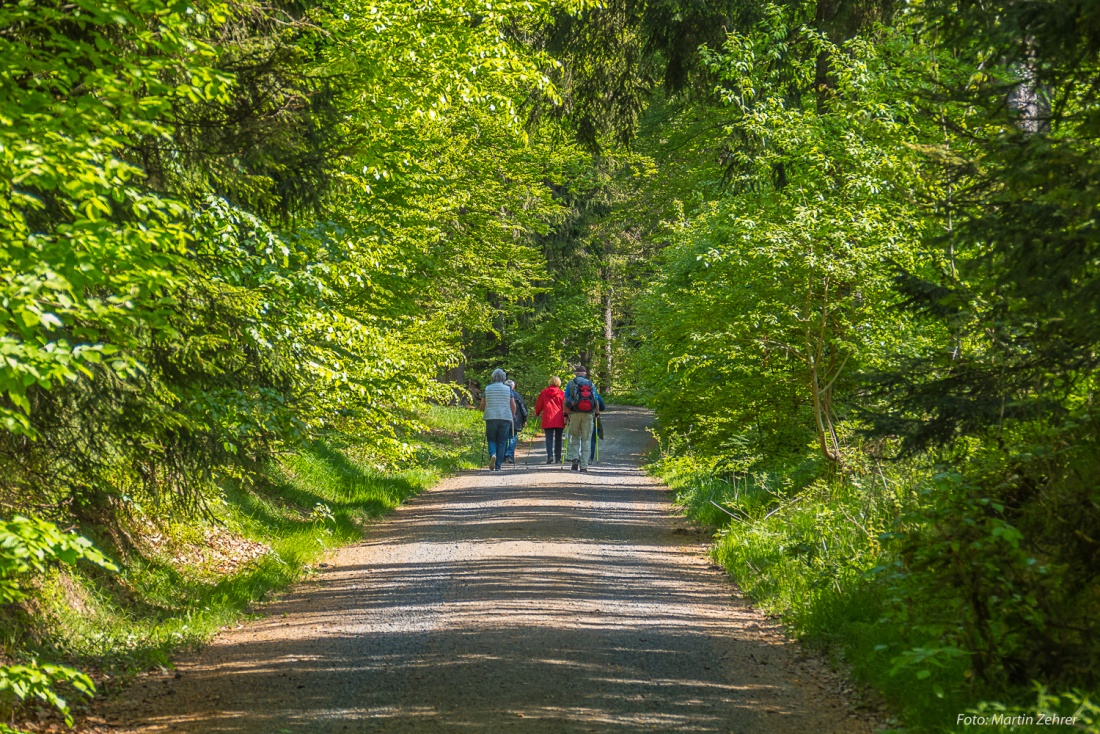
<point x="498" y="408"/>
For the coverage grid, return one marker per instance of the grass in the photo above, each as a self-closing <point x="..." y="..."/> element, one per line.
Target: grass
<point x="188" y="577"/>
<point x="816" y="557"/>
<point x="625" y="397"/>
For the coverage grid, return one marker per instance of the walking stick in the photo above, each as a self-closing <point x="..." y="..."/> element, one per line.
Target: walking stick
<point x="566" y="452"/>
<point x="527" y="459"/>
<point x="597" y="443"/>
<point x="516" y="437"/>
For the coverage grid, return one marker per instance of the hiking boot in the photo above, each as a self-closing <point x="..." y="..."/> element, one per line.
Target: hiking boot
<point x="584" y="468"/>
<point x="510" y="459"/>
<point x="576" y="464"/>
<point x="492" y="462"/>
<point x="549" y="459"/>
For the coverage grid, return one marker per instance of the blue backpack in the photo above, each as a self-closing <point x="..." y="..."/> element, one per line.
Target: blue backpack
<point x="583" y="397"/>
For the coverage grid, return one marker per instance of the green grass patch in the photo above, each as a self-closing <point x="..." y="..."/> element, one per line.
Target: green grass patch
<point x="820" y="556"/>
<point x="625" y="397"/>
<point x="187" y="577"/>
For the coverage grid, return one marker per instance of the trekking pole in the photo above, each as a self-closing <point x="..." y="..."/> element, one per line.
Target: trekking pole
<point x="515" y="437"/>
<point x="566" y="452"/>
<point x="597" y="447"/>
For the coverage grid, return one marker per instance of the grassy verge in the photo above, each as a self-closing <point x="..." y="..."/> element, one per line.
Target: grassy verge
<point x="821" y="554"/>
<point x="184" y="578"/>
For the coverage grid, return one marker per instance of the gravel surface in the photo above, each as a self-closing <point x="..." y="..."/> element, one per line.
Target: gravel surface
<point x="533" y="600"/>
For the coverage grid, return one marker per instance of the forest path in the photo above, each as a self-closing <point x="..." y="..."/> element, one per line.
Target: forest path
<point x="532" y="600"/>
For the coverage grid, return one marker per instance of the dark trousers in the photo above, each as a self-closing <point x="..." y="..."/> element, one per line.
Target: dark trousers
<point x="553" y="443"/>
<point x="497" y="433"/>
<point x="596" y="435"/>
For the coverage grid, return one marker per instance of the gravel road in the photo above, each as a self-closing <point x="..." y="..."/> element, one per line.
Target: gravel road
<point x="533" y="600"/>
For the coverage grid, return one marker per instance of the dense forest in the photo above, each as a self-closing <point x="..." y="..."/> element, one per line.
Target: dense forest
<point x="846" y="250"/>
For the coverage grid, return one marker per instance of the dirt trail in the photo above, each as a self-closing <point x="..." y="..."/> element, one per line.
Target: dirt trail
<point x="533" y="600"/>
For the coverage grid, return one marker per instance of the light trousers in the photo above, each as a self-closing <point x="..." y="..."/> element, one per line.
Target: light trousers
<point x="580" y="436"/>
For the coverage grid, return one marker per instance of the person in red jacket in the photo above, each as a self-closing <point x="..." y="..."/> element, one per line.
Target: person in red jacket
<point x="551" y="406"/>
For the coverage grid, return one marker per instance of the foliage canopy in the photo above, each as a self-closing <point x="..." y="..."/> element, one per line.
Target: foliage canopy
<point x="817" y="237"/>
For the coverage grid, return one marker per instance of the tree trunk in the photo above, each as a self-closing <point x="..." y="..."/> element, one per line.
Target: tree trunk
<point x="608" y="339"/>
<point x="823" y="16"/>
<point x="1030" y="101"/>
<point x="821" y="413"/>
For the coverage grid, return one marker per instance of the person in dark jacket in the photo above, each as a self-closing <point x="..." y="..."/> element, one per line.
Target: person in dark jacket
<point x="597" y="429"/>
<point x="551" y="406"/>
<point x="519" y="421"/>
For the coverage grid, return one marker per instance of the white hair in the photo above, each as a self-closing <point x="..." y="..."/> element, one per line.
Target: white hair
<point x="498" y="375"/>
<point x="510" y="383"/>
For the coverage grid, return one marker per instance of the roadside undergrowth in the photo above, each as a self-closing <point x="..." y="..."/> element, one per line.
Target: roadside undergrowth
<point x="835" y="557"/>
<point x="182" y="578"/>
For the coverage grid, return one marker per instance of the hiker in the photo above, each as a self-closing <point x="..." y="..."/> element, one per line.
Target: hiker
<point x="581" y="407"/>
<point x="597" y="428"/>
<point x="499" y="408"/>
<point x="519" y="422"/>
<point x="551" y="406"/>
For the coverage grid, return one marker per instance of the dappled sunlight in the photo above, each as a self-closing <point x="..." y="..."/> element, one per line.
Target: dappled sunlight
<point x="530" y="600"/>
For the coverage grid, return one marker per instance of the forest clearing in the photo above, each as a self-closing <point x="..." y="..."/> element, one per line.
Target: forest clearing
<point x="261" y="262"/>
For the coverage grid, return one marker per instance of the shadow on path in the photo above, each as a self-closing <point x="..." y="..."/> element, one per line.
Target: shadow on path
<point x="536" y="599"/>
